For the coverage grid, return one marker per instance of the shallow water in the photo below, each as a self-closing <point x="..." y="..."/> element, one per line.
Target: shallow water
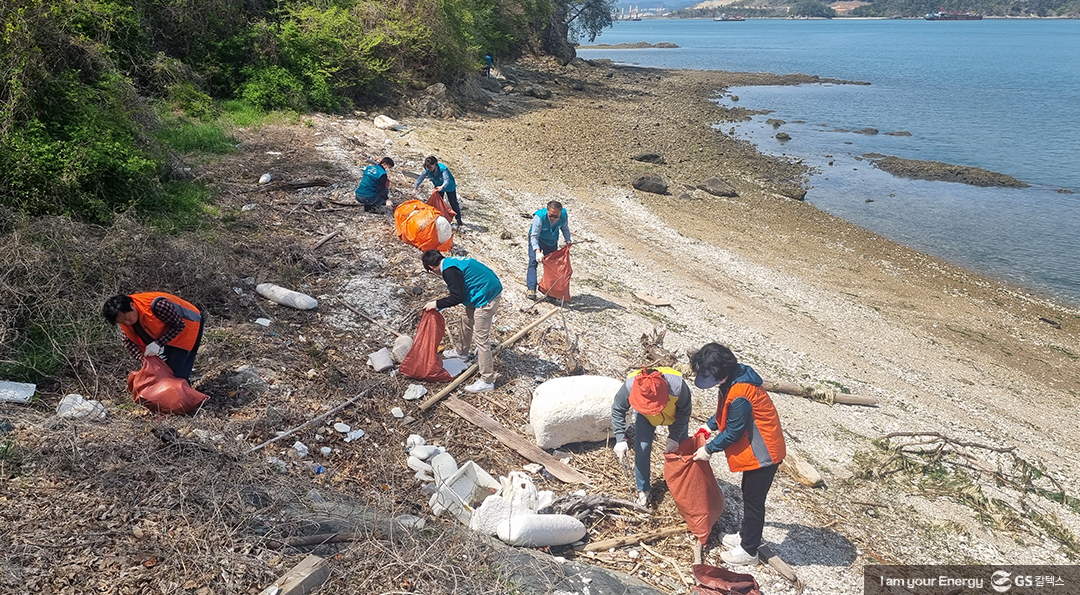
<point x="1001" y="95"/>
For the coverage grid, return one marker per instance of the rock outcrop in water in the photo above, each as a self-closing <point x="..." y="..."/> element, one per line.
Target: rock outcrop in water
<point x="937" y="171"/>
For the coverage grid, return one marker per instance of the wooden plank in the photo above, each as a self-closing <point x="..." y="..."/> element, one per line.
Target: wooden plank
<point x="769" y="557"/>
<point x="305" y="577"/>
<point x="523" y="447"/>
<point x="652" y="301"/>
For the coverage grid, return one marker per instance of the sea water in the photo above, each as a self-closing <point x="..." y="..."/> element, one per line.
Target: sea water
<point x="1002" y="95"/>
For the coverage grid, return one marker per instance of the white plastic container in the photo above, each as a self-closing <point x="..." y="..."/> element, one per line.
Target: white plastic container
<point x="286" y="297"/>
<point x="463" y="492"/>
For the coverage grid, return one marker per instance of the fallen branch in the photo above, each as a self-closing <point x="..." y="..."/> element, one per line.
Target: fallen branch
<point x="818" y="394"/>
<point x="312" y="421"/>
<point x="607" y="544"/>
<point x="298" y="184"/>
<point x="326" y="238"/>
<point x="664" y="558"/>
<point x="473" y="368"/>
<point x="368" y="318"/>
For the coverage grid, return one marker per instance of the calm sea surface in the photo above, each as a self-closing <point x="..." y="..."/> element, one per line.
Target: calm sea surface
<point x="1003" y="95"/>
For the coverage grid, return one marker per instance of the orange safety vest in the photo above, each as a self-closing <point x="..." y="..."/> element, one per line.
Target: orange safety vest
<point x="763" y="443"/>
<point x="155" y="327"/>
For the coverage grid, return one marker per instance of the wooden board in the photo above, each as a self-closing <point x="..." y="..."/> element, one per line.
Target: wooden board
<point x="523" y="447"/>
<point x="652" y="301"/>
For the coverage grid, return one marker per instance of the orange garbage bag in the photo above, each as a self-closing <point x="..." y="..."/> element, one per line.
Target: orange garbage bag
<point x="713" y="580"/>
<point x="423" y="361"/>
<point x="436" y="200"/>
<point x="417" y="224"/>
<point x="555" y="280"/>
<point x="155" y="387"/>
<point x="693" y="487"/>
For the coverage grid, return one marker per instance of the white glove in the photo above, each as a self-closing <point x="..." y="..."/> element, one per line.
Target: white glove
<point x="430" y="306"/>
<point x="701" y="454"/>
<point x="620" y="450"/>
<point x="672" y="446"/>
<point x="153" y="349"/>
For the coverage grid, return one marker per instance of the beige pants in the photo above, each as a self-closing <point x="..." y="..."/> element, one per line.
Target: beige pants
<point x="476" y="331"/>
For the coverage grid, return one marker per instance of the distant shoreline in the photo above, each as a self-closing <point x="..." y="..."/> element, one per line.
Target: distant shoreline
<point x="637" y="45"/>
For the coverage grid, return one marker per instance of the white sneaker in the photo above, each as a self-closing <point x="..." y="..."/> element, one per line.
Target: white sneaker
<point x="739" y="557"/>
<point x="642" y="499"/>
<point x="480" y="387"/>
<point x="450" y="354"/>
<point x="732" y="540"/>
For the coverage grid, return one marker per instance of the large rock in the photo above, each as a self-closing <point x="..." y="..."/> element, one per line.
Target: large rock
<point x="651" y="183"/>
<point x="537" y="91"/>
<point x="573" y="409"/>
<point x="489" y="84"/>
<point x="792" y="191"/>
<point x="648" y="157"/>
<point x="717" y="187"/>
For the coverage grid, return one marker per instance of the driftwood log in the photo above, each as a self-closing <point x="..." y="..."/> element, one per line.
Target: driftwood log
<point x="816" y="393"/>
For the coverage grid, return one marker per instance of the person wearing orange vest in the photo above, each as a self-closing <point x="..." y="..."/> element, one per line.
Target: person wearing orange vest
<point x="750" y="436"/>
<point x="158" y="324"/>
<point x="660" y="398"/>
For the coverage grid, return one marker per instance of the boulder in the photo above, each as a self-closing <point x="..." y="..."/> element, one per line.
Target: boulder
<point x="537" y="91"/>
<point x="782" y="136"/>
<point x="792" y="191"/>
<point x="386" y="123"/>
<point x="866" y="131"/>
<point x="573" y="409"/>
<point x="651" y="183"/>
<point x="648" y="157"/>
<point x="489" y="84"/>
<point x="775" y="122"/>
<point x="717" y="187"/>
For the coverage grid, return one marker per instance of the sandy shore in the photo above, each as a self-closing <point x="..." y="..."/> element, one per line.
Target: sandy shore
<point x="799" y="294"/>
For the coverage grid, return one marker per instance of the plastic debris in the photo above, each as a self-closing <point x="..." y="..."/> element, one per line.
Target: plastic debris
<point x="343" y="428"/>
<point x="262" y="321"/>
<point x="397" y="412"/>
<point x="414" y="440"/>
<point x="75" y="406"/>
<point x="410" y="520"/>
<point x="301" y="449"/>
<point x="264" y="179"/>
<point x="325" y="450"/>
<point x="454" y="366"/>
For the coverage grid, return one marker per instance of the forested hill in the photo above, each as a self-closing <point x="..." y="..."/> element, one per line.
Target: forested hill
<point x="88" y="86"/>
<point x="882" y="8"/>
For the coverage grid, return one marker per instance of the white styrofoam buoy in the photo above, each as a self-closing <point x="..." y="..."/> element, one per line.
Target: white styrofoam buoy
<point x="286" y="297"/>
<point x="540" y="530"/>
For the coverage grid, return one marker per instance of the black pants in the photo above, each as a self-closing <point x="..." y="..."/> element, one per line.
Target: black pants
<point x="181" y="360"/>
<point x="755" y="487"/>
<point x="451" y="197"/>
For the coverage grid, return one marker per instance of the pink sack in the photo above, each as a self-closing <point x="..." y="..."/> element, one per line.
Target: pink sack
<point x="155" y="387"/>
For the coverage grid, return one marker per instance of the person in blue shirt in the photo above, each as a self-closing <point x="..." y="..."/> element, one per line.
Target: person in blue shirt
<point x="444" y="182"/>
<point x="374" y="188"/>
<point x="487" y="66"/>
<point x="475" y="286"/>
<point x="544" y="239"/>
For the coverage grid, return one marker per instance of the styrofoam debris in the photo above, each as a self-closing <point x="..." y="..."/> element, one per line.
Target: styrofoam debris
<point x="401" y="348"/>
<point x="343" y="428"/>
<point x="572" y="409"/>
<point x="415" y="391"/>
<point x="386" y="122"/>
<point x="301" y="449"/>
<point x="417" y="465"/>
<point x="75" y="406"/>
<point x="532" y="467"/>
<point x="381" y="360"/>
<point x="264" y="179"/>
<point x="354" y="435"/>
<point x="16" y="392"/>
<point x="262" y="321"/>
<point x="540" y="530"/>
<point x="424" y="451"/>
<point x="425" y="477"/>
<point x="414" y="440"/>
<point x="286" y="297"/>
<point x="443" y="466"/>
<point x="325" y="450"/>
<point x="411" y="520"/>
<point x="397" y="412"/>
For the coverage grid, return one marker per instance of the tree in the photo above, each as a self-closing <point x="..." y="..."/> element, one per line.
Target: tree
<point x="577" y="19"/>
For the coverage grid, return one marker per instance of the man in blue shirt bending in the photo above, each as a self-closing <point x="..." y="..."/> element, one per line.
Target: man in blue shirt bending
<point x="544" y="239"/>
<point x="475" y="286"/>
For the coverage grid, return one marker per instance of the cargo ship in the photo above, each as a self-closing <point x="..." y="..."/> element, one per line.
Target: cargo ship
<point x="953" y="16"/>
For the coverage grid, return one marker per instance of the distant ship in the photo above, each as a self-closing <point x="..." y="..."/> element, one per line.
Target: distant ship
<point x="725" y="17"/>
<point x="953" y="16"/>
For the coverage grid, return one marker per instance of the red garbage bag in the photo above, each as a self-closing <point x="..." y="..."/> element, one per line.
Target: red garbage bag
<point x="713" y="580"/>
<point x="436" y="200"/>
<point x="155" y="387"/>
<point x="555" y="281"/>
<point x="423" y="361"/>
<point x="693" y="486"/>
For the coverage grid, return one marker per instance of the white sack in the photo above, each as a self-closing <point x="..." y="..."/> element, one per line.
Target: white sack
<point x="401" y="348"/>
<point x="443" y="229"/>
<point x="386" y="122"/>
<point x="540" y="530"/>
<point x="286" y="297"/>
<point x="573" y="409"/>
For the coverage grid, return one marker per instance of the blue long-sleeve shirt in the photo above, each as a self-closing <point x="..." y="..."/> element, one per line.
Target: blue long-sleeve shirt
<point x="440" y="177"/>
<point x="544" y="231"/>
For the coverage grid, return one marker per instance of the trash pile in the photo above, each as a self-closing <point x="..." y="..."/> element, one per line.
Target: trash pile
<point x="508" y="508"/>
